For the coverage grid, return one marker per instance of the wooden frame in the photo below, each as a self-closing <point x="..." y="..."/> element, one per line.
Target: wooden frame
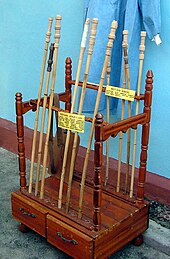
<point x="110" y="219"/>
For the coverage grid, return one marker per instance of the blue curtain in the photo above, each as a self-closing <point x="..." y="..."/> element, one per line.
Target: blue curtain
<point x="131" y="15"/>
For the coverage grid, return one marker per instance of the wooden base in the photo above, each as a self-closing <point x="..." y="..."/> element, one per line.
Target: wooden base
<point x="122" y="220"/>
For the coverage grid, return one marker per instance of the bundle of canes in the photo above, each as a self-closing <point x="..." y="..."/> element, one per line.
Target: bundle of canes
<point x="81" y="55"/>
<point x="56" y="46"/>
<point x="47" y="40"/>
<point x="107" y="120"/>
<point x="49" y="68"/>
<point x="141" y="58"/>
<point x="73" y="157"/>
<point x="126" y="77"/>
<point x="111" y="38"/>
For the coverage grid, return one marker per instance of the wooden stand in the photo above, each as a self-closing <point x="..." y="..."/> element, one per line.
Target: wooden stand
<point x="110" y="219"/>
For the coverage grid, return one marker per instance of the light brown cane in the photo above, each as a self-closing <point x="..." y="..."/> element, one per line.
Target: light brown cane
<point x="129" y="131"/>
<point x="111" y="38"/>
<point x="49" y="69"/>
<point x="73" y="157"/>
<point x="56" y="47"/>
<point x="141" y="58"/>
<point x="107" y="120"/>
<point x="125" y="73"/>
<point x="81" y="55"/>
<point x="47" y="40"/>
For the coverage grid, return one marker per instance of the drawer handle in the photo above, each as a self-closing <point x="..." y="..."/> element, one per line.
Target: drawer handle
<point x="74" y="242"/>
<point x="27" y="214"/>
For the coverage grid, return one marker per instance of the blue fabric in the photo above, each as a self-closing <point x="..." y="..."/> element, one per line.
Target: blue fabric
<point x="131" y="15"/>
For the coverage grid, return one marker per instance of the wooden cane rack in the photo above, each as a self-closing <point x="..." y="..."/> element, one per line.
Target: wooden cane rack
<point x="110" y="219"/>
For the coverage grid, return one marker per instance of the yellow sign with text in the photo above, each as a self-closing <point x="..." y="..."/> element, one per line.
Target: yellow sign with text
<point x="121" y="93"/>
<point x="71" y="121"/>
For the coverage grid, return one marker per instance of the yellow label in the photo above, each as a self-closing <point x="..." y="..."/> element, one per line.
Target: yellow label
<point x="120" y="93"/>
<point x="71" y="121"/>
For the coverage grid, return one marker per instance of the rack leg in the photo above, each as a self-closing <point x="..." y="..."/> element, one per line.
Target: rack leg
<point x="23" y="228"/>
<point x="145" y="137"/>
<point x="138" y="240"/>
<point x="20" y="137"/>
<point x="97" y="198"/>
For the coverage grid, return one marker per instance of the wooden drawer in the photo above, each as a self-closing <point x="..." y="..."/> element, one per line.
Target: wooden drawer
<point x="29" y="213"/>
<point x="68" y="239"/>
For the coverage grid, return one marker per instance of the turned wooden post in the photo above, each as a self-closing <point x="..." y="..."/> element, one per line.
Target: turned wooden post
<point x="20" y="138"/>
<point x="145" y="137"/>
<point x="98" y="157"/>
<point x="68" y="76"/>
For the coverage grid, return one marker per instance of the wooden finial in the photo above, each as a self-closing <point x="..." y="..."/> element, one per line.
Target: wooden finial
<point x="99" y="118"/>
<point x="68" y="67"/>
<point x="149" y="78"/>
<point x="20" y="138"/>
<point x="68" y="76"/>
<point x="148" y="94"/>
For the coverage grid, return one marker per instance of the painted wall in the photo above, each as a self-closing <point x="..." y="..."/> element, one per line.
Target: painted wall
<point x="157" y="59"/>
<point x="23" y="28"/>
<point x="22" y="39"/>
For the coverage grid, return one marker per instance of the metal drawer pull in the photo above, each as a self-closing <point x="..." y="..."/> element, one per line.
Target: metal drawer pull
<point x="74" y="242"/>
<point x="27" y="214"/>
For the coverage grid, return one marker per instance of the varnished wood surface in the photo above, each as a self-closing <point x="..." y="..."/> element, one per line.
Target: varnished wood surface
<point x="145" y="136"/>
<point x="113" y="210"/>
<point x="122" y="222"/>
<point x="69" y="239"/>
<point x="33" y="215"/>
<point x="124" y="125"/>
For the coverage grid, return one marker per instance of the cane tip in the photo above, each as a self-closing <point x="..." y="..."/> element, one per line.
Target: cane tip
<point x="114" y="24"/>
<point x="143" y="33"/>
<point x="125" y="32"/>
<point x="95" y="20"/>
<point x="58" y="17"/>
<point x="50" y="19"/>
<point x="87" y="20"/>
